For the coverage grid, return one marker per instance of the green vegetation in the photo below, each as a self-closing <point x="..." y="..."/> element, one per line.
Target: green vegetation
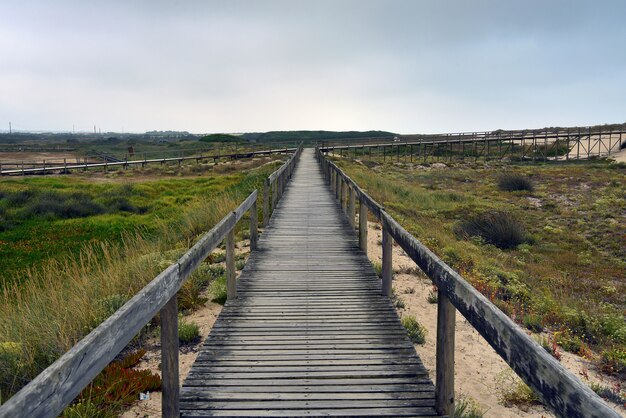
<point x="415" y="330"/>
<point x="512" y="182"/>
<point x="566" y="274"/>
<point x="115" y="388"/>
<point x="213" y="138"/>
<point x="69" y="274"/>
<point x="467" y="408"/>
<point x="188" y="332"/>
<point x="513" y="391"/>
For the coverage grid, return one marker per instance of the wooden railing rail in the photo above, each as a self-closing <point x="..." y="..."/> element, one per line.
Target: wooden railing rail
<point x="25" y="167"/>
<point x="59" y="384"/>
<point x="559" y="389"/>
<point x="275" y="184"/>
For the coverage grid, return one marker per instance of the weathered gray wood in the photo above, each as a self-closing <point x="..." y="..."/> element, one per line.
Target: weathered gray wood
<point x="254" y="226"/>
<point x="309" y="330"/>
<point x="387" y="262"/>
<point x="266" y="202"/>
<point x="362" y="226"/>
<point x="169" y="359"/>
<point x="351" y="206"/>
<point x="444" y="383"/>
<point x="231" y="287"/>
<point x="344" y="197"/>
<point x="563" y="392"/>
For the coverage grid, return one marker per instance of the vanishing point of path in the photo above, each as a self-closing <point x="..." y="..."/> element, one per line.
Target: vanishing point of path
<point x="310" y="333"/>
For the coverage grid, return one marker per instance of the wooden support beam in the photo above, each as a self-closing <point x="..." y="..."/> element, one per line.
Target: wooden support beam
<point x="169" y="359"/>
<point x="266" y="202"/>
<point x="254" y="226"/>
<point x="444" y="386"/>
<point x="344" y="196"/>
<point x="387" y="268"/>
<point x="363" y="226"/>
<point x="351" y="206"/>
<point x="231" y="286"/>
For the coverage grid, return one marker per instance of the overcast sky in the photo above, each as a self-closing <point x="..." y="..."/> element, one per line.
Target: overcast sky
<point x="233" y="66"/>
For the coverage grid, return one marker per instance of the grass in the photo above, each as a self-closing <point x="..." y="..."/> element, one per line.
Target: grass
<point x="564" y="273"/>
<point x="467" y="408"/>
<point x="513" y="391"/>
<point x="415" y="330"/>
<point x="47" y="307"/>
<point x="188" y="332"/>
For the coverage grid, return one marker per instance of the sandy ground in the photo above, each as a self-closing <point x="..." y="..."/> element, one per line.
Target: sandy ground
<point x="478" y="368"/>
<point x="619" y="157"/>
<point x="36" y="156"/>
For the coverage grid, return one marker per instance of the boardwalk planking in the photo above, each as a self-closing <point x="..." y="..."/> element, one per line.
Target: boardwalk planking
<point x="310" y="333"/>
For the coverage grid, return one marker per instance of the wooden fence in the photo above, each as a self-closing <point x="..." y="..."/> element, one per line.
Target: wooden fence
<point x="44" y="167"/>
<point x="529" y="145"/>
<point x="559" y="389"/>
<point x="58" y="385"/>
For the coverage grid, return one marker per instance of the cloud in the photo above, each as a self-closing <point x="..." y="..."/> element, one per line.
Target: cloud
<point x="407" y="66"/>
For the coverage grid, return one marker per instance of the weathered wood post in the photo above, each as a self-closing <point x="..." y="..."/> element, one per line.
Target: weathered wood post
<point x="231" y="288"/>
<point x="274" y="194"/>
<point x="363" y="225"/>
<point x="254" y="226"/>
<point x="337" y="184"/>
<point x="266" y="202"/>
<point x="387" y="267"/>
<point x="169" y="359"/>
<point x="444" y="387"/>
<point x="351" y="206"/>
<point x="344" y="196"/>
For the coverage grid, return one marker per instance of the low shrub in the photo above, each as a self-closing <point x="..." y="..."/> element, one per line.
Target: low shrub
<point x="190" y="295"/>
<point x="433" y="295"/>
<point x="533" y="322"/>
<point x="378" y="268"/>
<point x="511" y="182"/>
<point x="614" y="361"/>
<point x="467" y="408"/>
<point x="608" y="393"/>
<point x="188" y="332"/>
<point x="239" y="265"/>
<point x="415" y="330"/>
<point x="513" y="391"/>
<point x="495" y="227"/>
<point x="218" y="290"/>
<point x="115" y="388"/>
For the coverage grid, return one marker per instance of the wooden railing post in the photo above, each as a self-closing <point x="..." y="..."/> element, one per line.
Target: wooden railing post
<point x="169" y="359"/>
<point x="254" y="226"/>
<point x="351" y="206"/>
<point x="231" y="287"/>
<point x="337" y="185"/>
<point x="274" y="194"/>
<point x="387" y="267"/>
<point x="266" y="202"/>
<point x="444" y="386"/>
<point x="344" y="196"/>
<point x="363" y="226"/>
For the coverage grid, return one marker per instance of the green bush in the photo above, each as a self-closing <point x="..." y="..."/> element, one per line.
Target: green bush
<point x="495" y="227"/>
<point x="511" y="182"/>
<point x="218" y="290"/>
<point x="614" y="361"/>
<point x="415" y="331"/>
<point x="188" y="332"/>
<point x="533" y="322"/>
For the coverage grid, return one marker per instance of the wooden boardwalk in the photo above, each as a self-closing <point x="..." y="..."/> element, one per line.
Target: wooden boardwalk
<point x="310" y="333"/>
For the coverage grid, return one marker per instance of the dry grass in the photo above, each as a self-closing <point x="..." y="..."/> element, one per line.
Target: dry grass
<point x="61" y="301"/>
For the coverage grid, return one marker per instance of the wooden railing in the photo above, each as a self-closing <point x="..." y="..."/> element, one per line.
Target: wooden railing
<point x="43" y="167"/>
<point x="58" y="385"/>
<point x="529" y="145"/>
<point x="559" y="389"/>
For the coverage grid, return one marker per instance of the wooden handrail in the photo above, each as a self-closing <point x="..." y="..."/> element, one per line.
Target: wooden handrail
<point x="275" y="184"/>
<point x="558" y="388"/>
<point x="59" y="384"/>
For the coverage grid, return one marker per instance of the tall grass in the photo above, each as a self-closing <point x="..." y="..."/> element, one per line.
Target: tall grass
<point x="60" y="301"/>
